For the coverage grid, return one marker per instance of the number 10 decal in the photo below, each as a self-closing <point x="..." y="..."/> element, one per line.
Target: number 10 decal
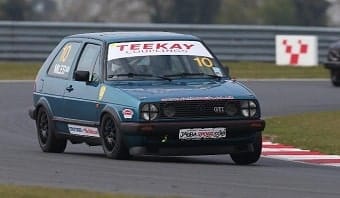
<point x="206" y="62"/>
<point x="65" y="53"/>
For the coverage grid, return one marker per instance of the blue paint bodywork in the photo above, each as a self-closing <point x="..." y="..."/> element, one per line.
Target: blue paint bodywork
<point x="83" y="105"/>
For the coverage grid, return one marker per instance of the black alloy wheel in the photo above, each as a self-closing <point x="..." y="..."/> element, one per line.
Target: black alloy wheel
<point x="46" y="136"/>
<point x="112" y="139"/>
<point x="246" y="158"/>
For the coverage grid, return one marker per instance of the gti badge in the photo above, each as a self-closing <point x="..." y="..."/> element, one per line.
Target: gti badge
<point x="219" y="109"/>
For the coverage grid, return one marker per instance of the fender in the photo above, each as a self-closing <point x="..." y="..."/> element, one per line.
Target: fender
<point x="42" y="102"/>
<point x="112" y="111"/>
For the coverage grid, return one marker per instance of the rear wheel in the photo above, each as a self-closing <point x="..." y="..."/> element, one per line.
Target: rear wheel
<point x="112" y="139"/>
<point x="335" y="77"/>
<point x="249" y="157"/>
<point x="46" y="136"/>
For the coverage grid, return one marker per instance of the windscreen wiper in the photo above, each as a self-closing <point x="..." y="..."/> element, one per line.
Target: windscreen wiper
<point x="193" y="74"/>
<point x="131" y="75"/>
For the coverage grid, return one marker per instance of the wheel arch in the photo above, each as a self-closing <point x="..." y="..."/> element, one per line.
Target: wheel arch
<point x="43" y="102"/>
<point x="111" y="111"/>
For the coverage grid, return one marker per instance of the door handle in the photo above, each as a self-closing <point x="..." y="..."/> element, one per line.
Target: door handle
<point x="69" y="88"/>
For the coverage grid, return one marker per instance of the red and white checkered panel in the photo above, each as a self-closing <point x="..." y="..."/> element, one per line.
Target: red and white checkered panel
<point x="296" y="50"/>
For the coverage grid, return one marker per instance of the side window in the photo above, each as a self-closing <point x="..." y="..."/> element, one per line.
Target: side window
<point x="89" y="59"/>
<point x="62" y="63"/>
<point x="96" y="71"/>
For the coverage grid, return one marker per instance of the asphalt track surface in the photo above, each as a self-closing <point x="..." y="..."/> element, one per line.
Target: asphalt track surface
<point x="83" y="167"/>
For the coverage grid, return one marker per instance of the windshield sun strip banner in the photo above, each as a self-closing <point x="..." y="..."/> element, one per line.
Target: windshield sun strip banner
<point x="155" y="48"/>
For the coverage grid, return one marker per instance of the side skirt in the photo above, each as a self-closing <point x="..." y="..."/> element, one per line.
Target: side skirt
<point x="80" y="131"/>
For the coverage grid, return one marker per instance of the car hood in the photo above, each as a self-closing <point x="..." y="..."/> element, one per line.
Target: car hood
<point x="171" y="91"/>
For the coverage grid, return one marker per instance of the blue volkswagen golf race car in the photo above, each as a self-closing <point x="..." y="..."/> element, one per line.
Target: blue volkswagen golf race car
<point x="144" y="93"/>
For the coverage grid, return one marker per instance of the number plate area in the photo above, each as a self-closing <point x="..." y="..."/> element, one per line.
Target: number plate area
<point x="202" y="133"/>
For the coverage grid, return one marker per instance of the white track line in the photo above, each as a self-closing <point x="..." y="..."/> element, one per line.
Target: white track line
<point x="16" y="81"/>
<point x="332" y="164"/>
<point x="269" y="143"/>
<point x="281" y="149"/>
<point x="303" y="157"/>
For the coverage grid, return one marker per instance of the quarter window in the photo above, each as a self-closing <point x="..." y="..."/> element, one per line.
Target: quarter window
<point x="61" y="65"/>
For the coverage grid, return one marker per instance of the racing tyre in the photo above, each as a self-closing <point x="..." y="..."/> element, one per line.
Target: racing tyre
<point x="112" y="139"/>
<point x="335" y="77"/>
<point x="249" y="157"/>
<point x="47" y="139"/>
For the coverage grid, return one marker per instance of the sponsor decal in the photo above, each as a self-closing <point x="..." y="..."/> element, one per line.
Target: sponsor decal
<point x="154" y="48"/>
<point x="83" y="131"/>
<point x="127" y="113"/>
<point x="202" y="133"/>
<point x="197" y="98"/>
<point x="101" y="92"/>
<point x="61" y="69"/>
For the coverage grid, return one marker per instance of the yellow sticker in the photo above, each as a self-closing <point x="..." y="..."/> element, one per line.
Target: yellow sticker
<point x="204" y="61"/>
<point x="65" y="53"/>
<point x="101" y="92"/>
<point x="113" y="44"/>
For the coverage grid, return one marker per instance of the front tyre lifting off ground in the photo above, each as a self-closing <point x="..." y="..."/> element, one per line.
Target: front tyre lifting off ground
<point x="249" y="157"/>
<point x="112" y="139"/>
<point x="47" y="140"/>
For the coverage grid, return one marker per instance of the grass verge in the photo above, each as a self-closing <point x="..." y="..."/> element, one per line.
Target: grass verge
<point x="18" y="70"/>
<point x="10" y="191"/>
<point x="12" y="70"/>
<point x="314" y="131"/>
<point x="270" y="70"/>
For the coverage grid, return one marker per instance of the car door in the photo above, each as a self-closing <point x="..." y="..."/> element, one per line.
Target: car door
<point x="52" y="85"/>
<point x="80" y="98"/>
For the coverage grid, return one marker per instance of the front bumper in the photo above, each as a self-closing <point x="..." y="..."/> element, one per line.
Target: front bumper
<point x="162" y="137"/>
<point x="149" y="129"/>
<point x="32" y="113"/>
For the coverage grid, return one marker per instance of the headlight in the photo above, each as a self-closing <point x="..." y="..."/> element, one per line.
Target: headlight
<point x="231" y="109"/>
<point x="149" y="112"/>
<point x="248" y="108"/>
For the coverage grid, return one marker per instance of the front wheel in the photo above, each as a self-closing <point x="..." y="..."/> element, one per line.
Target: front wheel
<point x="112" y="139"/>
<point x="249" y="157"/>
<point x="46" y="136"/>
<point x="335" y="77"/>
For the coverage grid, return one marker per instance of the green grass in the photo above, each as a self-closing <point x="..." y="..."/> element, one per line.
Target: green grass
<point x="270" y="70"/>
<point x="18" y="70"/>
<point x="11" y="191"/>
<point x="314" y="131"/>
<point x="28" y="70"/>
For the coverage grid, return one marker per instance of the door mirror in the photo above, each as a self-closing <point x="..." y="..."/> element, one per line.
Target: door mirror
<point x="82" y="76"/>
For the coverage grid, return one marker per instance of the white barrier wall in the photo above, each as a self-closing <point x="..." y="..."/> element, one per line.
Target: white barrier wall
<point x="296" y="50"/>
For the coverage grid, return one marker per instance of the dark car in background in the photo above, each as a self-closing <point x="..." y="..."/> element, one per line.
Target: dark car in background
<point x="333" y="63"/>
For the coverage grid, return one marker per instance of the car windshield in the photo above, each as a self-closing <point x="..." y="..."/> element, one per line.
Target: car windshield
<point x="161" y="60"/>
